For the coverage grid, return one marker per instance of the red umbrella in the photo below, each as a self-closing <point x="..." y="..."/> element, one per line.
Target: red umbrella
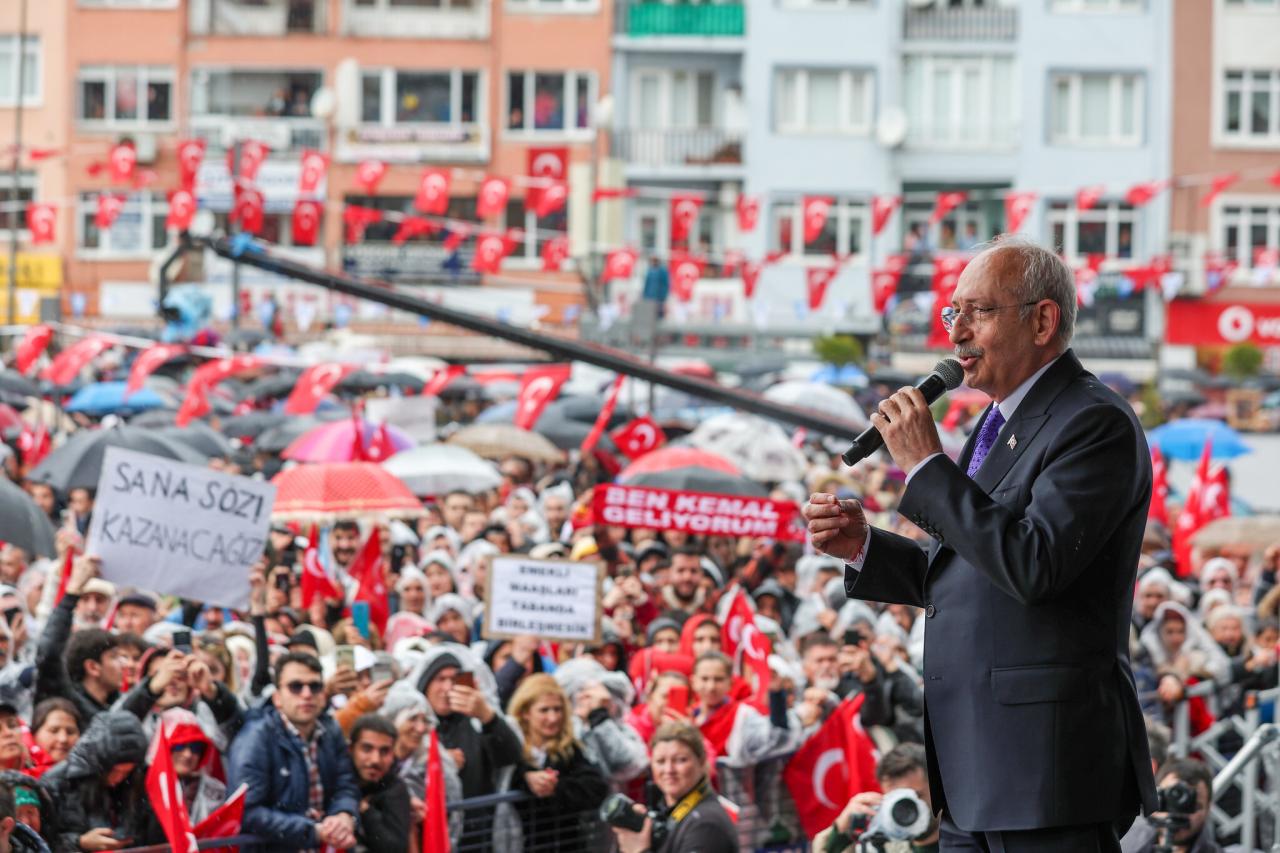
<point x="668" y="458"/>
<point x="9" y="417"/>
<point x="330" y="491"/>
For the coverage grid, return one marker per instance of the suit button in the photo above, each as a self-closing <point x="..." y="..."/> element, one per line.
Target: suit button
<point x="930" y="611"/>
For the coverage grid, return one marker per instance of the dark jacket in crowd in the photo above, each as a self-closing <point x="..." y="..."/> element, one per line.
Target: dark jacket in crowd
<point x="384" y="825"/>
<point x="1141" y="838"/>
<point x="270" y="760"/>
<point x="52" y="678"/>
<point x="486" y="750"/>
<point x="24" y="839"/>
<point x="556" y="822"/>
<point x="707" y="828"/>
<point x="14" y="779"/>
<point x="77" y="787"/>
<point x="226" y="711"/>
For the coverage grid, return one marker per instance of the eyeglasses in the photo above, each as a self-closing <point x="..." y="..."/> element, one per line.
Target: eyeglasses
<point x="950" y="316"/>
<point x="312" y="687"/>
<point x="194" y="746"/>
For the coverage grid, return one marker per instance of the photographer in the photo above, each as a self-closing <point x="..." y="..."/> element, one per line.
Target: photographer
<point x="1189" y="830"/>
<point x="902" y="767"/>
<point x="684" y="816"/>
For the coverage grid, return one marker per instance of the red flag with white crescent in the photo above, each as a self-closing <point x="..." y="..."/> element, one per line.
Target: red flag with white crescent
<point x="248" y="210"/>
<point x="190" y="156"/>
<point x="1088" y="197"/>
<point x="636" y="438"/>
<point x="182" y="210"/>
<point x="148" y="361"/>
<point x="110" y="206"/>
<point x="66" y="366"/>
<point x="491" y="199"/>
<point x="314" y="166"/>
<point x="305" y="222"/>
<point x="252" y="155"/>
<point x="602" y="420"/>
<point x="550" y="198"/>
<point x="435" y="823"/>
<point x="433" y="191"/>
<point x="491" y="248"/>
<point x="884" y="281"/>
<point x="882" y="207"/>
<point x="1140" y="194"/>
<point x="314" y="385"/>
<point x="551" y="165"/>
<point x="224" y="821"/>
<point x="413" y="226"/>
<point x="750" y="277"/>
<point x="42" y="222"/>
<point x="685" y="272"/>
<point x="1016" y="207"/>
<point x="441" y="379"/>
<point x="35" y="340"/>
<point x="817" y="280"/>
<point x="748" y="210"/>
<point x="814" y="211"/>
<point x="618" y="264"/>
<point x="946" y="275"/>
<point x="946" y="202"/>
<point x="369" y="174"/>
<point x="835" y="764"/>
<point x="554" y="253"/>
<point x="1220" y="183"/>
<point x="122" y="159"/>
<point x="168" y="803"/>
<point x="538" y="387"/>
<point x="357" y="219"/>
<point x="1159" y="509"/>
<point x="369" y="569"/>
<point x="684" y="215"/>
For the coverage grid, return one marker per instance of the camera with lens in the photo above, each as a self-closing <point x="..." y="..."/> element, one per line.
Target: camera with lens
<point x="618" y="810"/>
<point x="901" y="816"/>
<point x="1176" y="799"/>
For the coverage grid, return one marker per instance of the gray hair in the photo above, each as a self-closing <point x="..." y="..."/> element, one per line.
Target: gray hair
<point x="1044" y="276"/>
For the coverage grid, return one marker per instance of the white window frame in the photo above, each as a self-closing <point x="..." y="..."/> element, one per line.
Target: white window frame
<point x="147" y="74"/>
<point x="1238" y="210"/>
<point x="1086" y="7"/>
<point x="387" y="90"/>
<point x="445" y="7"/>
<point x="26" y="181"/>
<point x="846" y="211"/>
<point x="570" y="105"/>
<point x="1115" y="138"/>
<point x="552" y="7"/>
<point x="34" y="96"/>
<point x="847" y="124"/>
<point x="1245" y="137"/>
<point x="666" y="81"/>
<point x="128" y="4"/>
<point x="915" y="213"/>
<point x="154" y="205"/>
<point x="1111" y="212"/>
<point x="826" y="5"/>
<point x="925" y="136"/>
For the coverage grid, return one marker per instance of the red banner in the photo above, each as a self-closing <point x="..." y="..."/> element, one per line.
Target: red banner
<point x="696" y="512"/>
<point x="1205" y="323"/>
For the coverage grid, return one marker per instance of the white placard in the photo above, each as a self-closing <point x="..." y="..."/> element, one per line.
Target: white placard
<point x="178" y="529"/>
<point x="552" y="599"/>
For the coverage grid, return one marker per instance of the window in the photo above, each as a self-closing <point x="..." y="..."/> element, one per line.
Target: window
<point x="826" y="4"/>
<point x="31" y="68"/>
<point x="1096" y="109"/>
<point x="845" y="231"/>
<point x="568" y="6"/>
<point x="1108" y="228"/>
<point x="667" y="99"/>
<point x="814" y="100"/>
<point x="1251" y="106"/>
<point x="1247" y="229"/>
<point x="13" y="208"/>
<point x="287" y="94"/>
<point x="961" y="101"/>
<point x="137" y="232"/>
<point x="537" y="232"/>
<point x="420" y="97"/>
<point x="1097" y="5"/>
<point x="125" y="95"/>
<point x="550" y="101"/>
<point x="959" y="231"/>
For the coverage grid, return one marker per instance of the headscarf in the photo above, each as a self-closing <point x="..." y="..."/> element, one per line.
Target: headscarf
<point x="1198" y="642"/>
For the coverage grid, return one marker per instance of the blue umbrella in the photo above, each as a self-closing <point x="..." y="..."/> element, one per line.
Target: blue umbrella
<point x="1185" y="438"/>
<point x="846" y="376"/>
<point x="104" y="398"/>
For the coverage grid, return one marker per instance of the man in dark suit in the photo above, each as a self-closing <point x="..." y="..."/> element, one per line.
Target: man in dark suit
<point x="1035" y="738"/>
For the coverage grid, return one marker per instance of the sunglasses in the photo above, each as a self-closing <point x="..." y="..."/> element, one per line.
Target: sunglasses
<point x="312" y="687"/>
<point x="194" y="746"/>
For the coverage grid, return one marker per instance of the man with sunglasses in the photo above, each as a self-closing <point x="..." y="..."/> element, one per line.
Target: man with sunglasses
<point x="293" y="756"/>
<point x="1034" y="736"/>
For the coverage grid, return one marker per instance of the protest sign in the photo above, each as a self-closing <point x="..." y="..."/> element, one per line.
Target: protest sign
<point x="416" y="416"/>
<point x="554" y="599"/>
<point x="696" y="512"/>
<point x="178" y="529"/>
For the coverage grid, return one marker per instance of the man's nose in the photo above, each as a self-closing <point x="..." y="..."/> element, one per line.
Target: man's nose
<point x="959" y="333"/>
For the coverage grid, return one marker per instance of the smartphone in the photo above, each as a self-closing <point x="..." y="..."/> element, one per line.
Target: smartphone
<point x="182" y="641"/>
<point x="345" y="656"/>
<point x="466" y="679"/>
<point x="852" y="637"/>
<point x="12" y="614"/>
<point x="360" y="616"/>
<point x="283" y="582"/>
<point x="678" y="699"/>
<point x="382" y="672"/>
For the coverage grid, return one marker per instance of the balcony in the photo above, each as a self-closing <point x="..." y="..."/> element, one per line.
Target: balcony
<point x="963" y="23"/>
<point x="702" y="20"/>
<point x="257" y="18"/>
<point x="281" y="134"/>
<point x="698" y="150"/>
<point x="416" y="19"/>
<point x="414" y="143"/>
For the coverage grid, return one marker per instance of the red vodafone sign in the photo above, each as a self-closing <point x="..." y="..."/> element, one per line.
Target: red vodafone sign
<point x="1205" y="323"/>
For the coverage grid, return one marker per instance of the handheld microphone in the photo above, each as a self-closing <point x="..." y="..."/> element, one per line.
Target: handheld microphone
<point x="946" y="376"/>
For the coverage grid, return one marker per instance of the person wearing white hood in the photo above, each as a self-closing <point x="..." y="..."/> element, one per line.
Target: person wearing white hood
<point x="451" y="613"/>
<point x="1181" y="650"/>
<point x="600" y="699"/>
<point x="411" y="586"/>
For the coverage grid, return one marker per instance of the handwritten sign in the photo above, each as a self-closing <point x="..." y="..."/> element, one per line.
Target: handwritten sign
<point x="551" y="599"/>
<point x="696" y="512"/>
<point x="178" y="529"/>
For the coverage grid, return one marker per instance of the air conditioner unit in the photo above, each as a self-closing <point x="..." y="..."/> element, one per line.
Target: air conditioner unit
<point x="144" y="144"/>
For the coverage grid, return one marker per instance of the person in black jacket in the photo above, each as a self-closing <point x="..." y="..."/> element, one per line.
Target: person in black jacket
<point x="87" y="668"/>
<point x="384" y="797"/>
<point x="15" y="836"/>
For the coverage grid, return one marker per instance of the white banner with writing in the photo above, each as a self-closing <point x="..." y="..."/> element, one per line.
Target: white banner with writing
<point x="552" y="599"/>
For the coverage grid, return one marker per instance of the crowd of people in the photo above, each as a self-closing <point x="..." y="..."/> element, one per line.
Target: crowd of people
<point x="328" y="722"/>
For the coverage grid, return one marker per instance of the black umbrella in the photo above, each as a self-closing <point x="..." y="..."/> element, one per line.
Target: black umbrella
<point x="200" y="437"/>
<point x="271" y="387"/>
<point x="584" y="409"/>
<point x="1181" y="398"/>
<point x="276" y="439"/>
<point x="462" y="388"/>
<point x="16" y="383"/>
<point x="252" y="425"/>
<point x="406" y="382"/>
<point x="78" y="463"/>
<point x="567" y="434"/>
<point x="154" y="418"/>
<point x="22" y="522"/>
<point x="1193" y="375"/>
<point x="697" y="479"/>
<point x="360" y="381"/>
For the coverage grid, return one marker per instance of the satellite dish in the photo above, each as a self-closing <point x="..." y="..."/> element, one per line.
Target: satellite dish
<point x="891" y="129"/>
<point x="203" y="223"/>
<point x="323" y="103"/>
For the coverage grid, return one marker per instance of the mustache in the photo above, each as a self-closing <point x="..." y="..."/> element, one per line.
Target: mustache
<point x="969" y="352"/>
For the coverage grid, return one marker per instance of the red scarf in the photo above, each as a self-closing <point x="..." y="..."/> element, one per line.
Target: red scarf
<point x="717" y="727"/>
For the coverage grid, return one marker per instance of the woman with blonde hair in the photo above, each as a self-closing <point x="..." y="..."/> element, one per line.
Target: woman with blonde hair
<point x="564" y="786"/>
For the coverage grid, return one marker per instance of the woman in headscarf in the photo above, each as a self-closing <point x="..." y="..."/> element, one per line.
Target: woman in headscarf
<point x="196" y="762"/>
<point x="411" y="586"/>
<point x="1183" y="654"/>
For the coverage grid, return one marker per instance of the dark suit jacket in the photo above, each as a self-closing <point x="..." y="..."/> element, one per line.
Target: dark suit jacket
<point x="1031" y="715"/>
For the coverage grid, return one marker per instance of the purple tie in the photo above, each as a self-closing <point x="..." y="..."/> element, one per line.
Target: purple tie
<point x="986" y="438"/>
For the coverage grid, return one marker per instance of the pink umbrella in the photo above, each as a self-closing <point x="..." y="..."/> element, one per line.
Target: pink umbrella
<point x="675" y="456"/>
<point x="336" y="442"/>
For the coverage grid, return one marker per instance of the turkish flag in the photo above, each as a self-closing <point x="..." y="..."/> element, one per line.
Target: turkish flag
<point x="66" y="366"/>
<point x="380" y="446"/>
<point x="357" y="219"/>
<point x="367" y="568"/>
<point x="123" y="159"/>
<point x="884" y="281"/>
<point x="224" y="821"/>
<point x="946" y="275"/>
<point x="110" y="206"/>
<point x="252" y="155"/>
<point x="182" y="210"/>
<point x="196" y="402"/>
<point x="751" y="662"/>
<point x="38" y="154"/>
<point x="735" y="613"/>
<point x="314" y="166"/>
<point x="314" y="385"/>
<point x="552" y="166"/>
<point x="618" y="264"/>
<point x="549" y="199"/>
<point x="491" y="248"/>
<point x="637" y="437"/>
<point x="441" y="379"/>
<point x="814" y="210"/>
<point x="685" y="270"/>
<point x="1140" y="194"/>
<point x="42" y="221"/>
<point x="148" y="361"/>
<point x="1159" y="487"/>
<point x="248" y="210"/>
<point x="750" y="277"/>
<point x="34" y="445"/>
<point x="1220" y="183"/>
<point x="433" y="191"/>
<point x="190" y="155"/>
<point x="684" y="215"/>
<point x="1190" y="518"/>
<point x="1016" y="208"/>
<point x="1087" y="197"/>
<point x="816" y="281"/>
<point x="491" y="199"/>
<point x="435" y="823"/>
<point x="315" y="581"/>
<point x="164" y="790"/>
<point x="306" y="222"/>
<point x="834" y="765"/>
<point x="458" y="234"/>
<point x="369" y="174"/>
<point x="882" y="207"/>
<point x="748" y="210"/>
<point x="144" y="178"/>
<point x="413" y="226"/>
<point x="602" y="420"/>
<point x="611" y="193"/>
<point x="946" y="202"/>
<point x="554" y="253"/>
<point x="731" y="261"/>
<point x="538" y="387"/>
<point x="35" y="340"/>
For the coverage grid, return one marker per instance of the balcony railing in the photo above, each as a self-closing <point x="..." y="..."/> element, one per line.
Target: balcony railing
<point x="282" y="134"/>
<point x="678" y="148"/>
<point x="981" y="23"/>
<point x="268" y="18"/>
<point x="679" y="19"/>
<point x="450" y="19"/>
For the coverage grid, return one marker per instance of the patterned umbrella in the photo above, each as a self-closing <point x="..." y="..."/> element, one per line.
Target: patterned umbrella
<point x="336" y="442"/>
<point x="325" y="493"/>
<point x="759" y="447"/>
<point x="438" y="468"/>
<point x="498" y="441"/>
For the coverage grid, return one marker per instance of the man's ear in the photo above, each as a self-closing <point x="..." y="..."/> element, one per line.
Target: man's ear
<point x="92" y="669"/>
<point x="6" y="826"/>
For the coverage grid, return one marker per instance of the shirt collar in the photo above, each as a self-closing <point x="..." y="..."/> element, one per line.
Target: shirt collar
<point x="1010" y="404"/>
<point x="292" y="729"/>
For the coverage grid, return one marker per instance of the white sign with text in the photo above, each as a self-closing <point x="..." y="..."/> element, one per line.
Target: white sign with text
<point x="551" y="599"/>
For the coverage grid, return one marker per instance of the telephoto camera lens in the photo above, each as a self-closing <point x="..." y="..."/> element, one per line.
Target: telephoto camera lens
<point x="902" y="816"/>
<point x="1178" y="798"/>
<point x="617" y="811"/>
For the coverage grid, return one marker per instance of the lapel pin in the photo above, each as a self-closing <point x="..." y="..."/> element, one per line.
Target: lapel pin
<point x="1013" y="442"/>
